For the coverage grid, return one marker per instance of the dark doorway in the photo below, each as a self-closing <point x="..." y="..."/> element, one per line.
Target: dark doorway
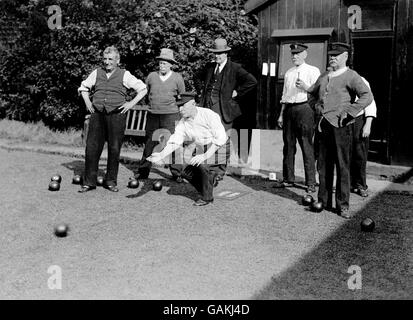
<point x="372" y="60"/>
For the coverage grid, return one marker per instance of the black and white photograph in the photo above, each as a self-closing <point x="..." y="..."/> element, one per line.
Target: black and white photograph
<point x="206" y="155"/>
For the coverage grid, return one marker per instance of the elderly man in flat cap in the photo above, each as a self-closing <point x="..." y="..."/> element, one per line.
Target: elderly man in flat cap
<point x="201" y="127"/>
<point x="336" y="91"/>
<point x="163" y="88"/>
<point x="108" y="109"/>
<point x="297" y="118"/>
<point x="225" y="83"/>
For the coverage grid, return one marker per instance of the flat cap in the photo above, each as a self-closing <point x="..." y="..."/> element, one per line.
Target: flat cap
<point x="298" y="47"/>
<point x="338" y="48"/>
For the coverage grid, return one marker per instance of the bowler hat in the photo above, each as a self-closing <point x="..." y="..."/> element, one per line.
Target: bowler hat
<point x="220" y="46"/>
<point x="338" y="48"/>
<point x="298" y="47"/>
<point x="184" y="98"/>
<point x="167" y="55"/>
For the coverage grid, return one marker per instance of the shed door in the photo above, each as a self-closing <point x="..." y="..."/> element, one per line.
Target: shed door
<point x="372" y="56"/>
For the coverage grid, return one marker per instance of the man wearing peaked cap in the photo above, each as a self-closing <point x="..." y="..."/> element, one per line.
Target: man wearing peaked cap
<point x="335" y="91"/>
<point x="297" y="118"/>
<point x="163" y="87"/>
<point x="297" y="47"/>
<point x="203" y="128"/>
<point x="337" y="48"/>
<point x="224" y="85"/>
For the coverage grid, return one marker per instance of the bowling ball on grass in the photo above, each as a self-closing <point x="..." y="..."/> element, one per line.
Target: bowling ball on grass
<point x="54" y="186"/>
<point x="157" y="186"/>
<point x="307" y="200"/>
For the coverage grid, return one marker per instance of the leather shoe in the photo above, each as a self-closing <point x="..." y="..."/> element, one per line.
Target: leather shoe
<point x="283" y="184"/>
<point x="215" y="181"/>
<point x="85" y="188"/>
<point x="311" y="189"/>
<point x="345" y="213"/>
<point x="179" y="179"/>
<point x="201" y="202"/>
<point x="112" y="188"/>
<point x="362" y="193"/>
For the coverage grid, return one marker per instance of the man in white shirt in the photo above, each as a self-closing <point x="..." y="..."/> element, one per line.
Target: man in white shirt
<point x="108" y="116"/>
<point x="361" y="134"/>
<point x="204" y="129"/>
<point x="297" y="118"/>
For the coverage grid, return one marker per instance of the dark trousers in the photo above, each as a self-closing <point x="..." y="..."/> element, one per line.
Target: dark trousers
<point x="298" y="125"/>
<point x="156" y="122"/>
<point x="214" y="105"/>
<point x="202" y="176"/>
<point x="359" y="155"/>
<point x="104" y="127"/>
<point x="334" y="151"/>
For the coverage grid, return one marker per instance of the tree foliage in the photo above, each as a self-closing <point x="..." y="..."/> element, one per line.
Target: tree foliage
<point x="42" y="71"/>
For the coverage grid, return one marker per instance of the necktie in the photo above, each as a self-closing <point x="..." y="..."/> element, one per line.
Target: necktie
<point x="216" y="69"/>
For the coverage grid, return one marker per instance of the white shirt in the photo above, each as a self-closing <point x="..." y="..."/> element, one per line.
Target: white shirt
<point x="292" y="94"/>
<point x="204" y="129"/>
<point x="129" y="81"/>
<point x="371" y="109"/>
<point x="166" y="76"/>
<point x="221" y="66"/>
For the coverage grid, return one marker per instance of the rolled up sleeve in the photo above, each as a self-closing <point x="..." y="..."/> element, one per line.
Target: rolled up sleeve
<point x="131" y="82"/>
<point x="179" y="135"/>
<point x="89" y="83"/>
<point x="219" y="136"/>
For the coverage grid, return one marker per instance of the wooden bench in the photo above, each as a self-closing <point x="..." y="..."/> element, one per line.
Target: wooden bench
<point x="135" y="122"/>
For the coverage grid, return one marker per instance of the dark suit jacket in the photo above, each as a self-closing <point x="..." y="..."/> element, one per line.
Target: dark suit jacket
<point x="234" y="77"/>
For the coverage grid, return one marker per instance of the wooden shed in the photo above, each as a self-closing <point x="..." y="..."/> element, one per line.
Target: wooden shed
<point x="381" y="36"/>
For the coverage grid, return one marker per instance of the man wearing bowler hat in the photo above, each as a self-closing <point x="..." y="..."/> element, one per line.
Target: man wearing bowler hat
<point x="336" y="91"/>
<point x="297" y="118"/>
<point x="163" y="88"/>
<point x="201" y="127"/>
<point x="225" y="83"/>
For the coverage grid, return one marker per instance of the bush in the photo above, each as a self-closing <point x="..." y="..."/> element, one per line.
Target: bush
<point x="41" y="73"/>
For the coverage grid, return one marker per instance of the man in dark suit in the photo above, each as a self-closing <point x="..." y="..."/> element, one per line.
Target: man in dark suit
<point x="225" y="83"/>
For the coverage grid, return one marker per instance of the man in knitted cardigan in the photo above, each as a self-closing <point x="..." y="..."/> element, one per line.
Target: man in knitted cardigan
<point x="336" y="91"/>
<point x="164" y="86"/>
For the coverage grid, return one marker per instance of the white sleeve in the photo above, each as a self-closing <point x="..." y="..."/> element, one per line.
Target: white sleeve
<point x="178" y="137"/>
<point x="131" y="82"/>
<point x="314" y="75"/>
<point x="217" y="129"/>
<point x="283" y="97"/>
<point x="90" y="81"/>
<point x="371" y="110"/>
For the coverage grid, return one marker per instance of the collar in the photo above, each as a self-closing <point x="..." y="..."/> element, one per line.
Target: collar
<point x="222" y="65"/>
<point x="301" y="65"/>
<point x="337" y="73"/>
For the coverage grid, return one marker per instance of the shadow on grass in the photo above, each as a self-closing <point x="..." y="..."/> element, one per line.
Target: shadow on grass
<point x="78" y="167"/>
<point x="384" y="257"/>
<point x="259" y="184"/>
<point x="177" y="189"/>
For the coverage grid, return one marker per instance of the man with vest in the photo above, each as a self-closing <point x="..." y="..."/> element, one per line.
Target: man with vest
<point x="108" y="116"/>
<point x="225" y="84"/>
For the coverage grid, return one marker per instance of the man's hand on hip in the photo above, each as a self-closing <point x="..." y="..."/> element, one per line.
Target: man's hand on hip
<point x="90" y="108"/>
<point x="126" y="106"/>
